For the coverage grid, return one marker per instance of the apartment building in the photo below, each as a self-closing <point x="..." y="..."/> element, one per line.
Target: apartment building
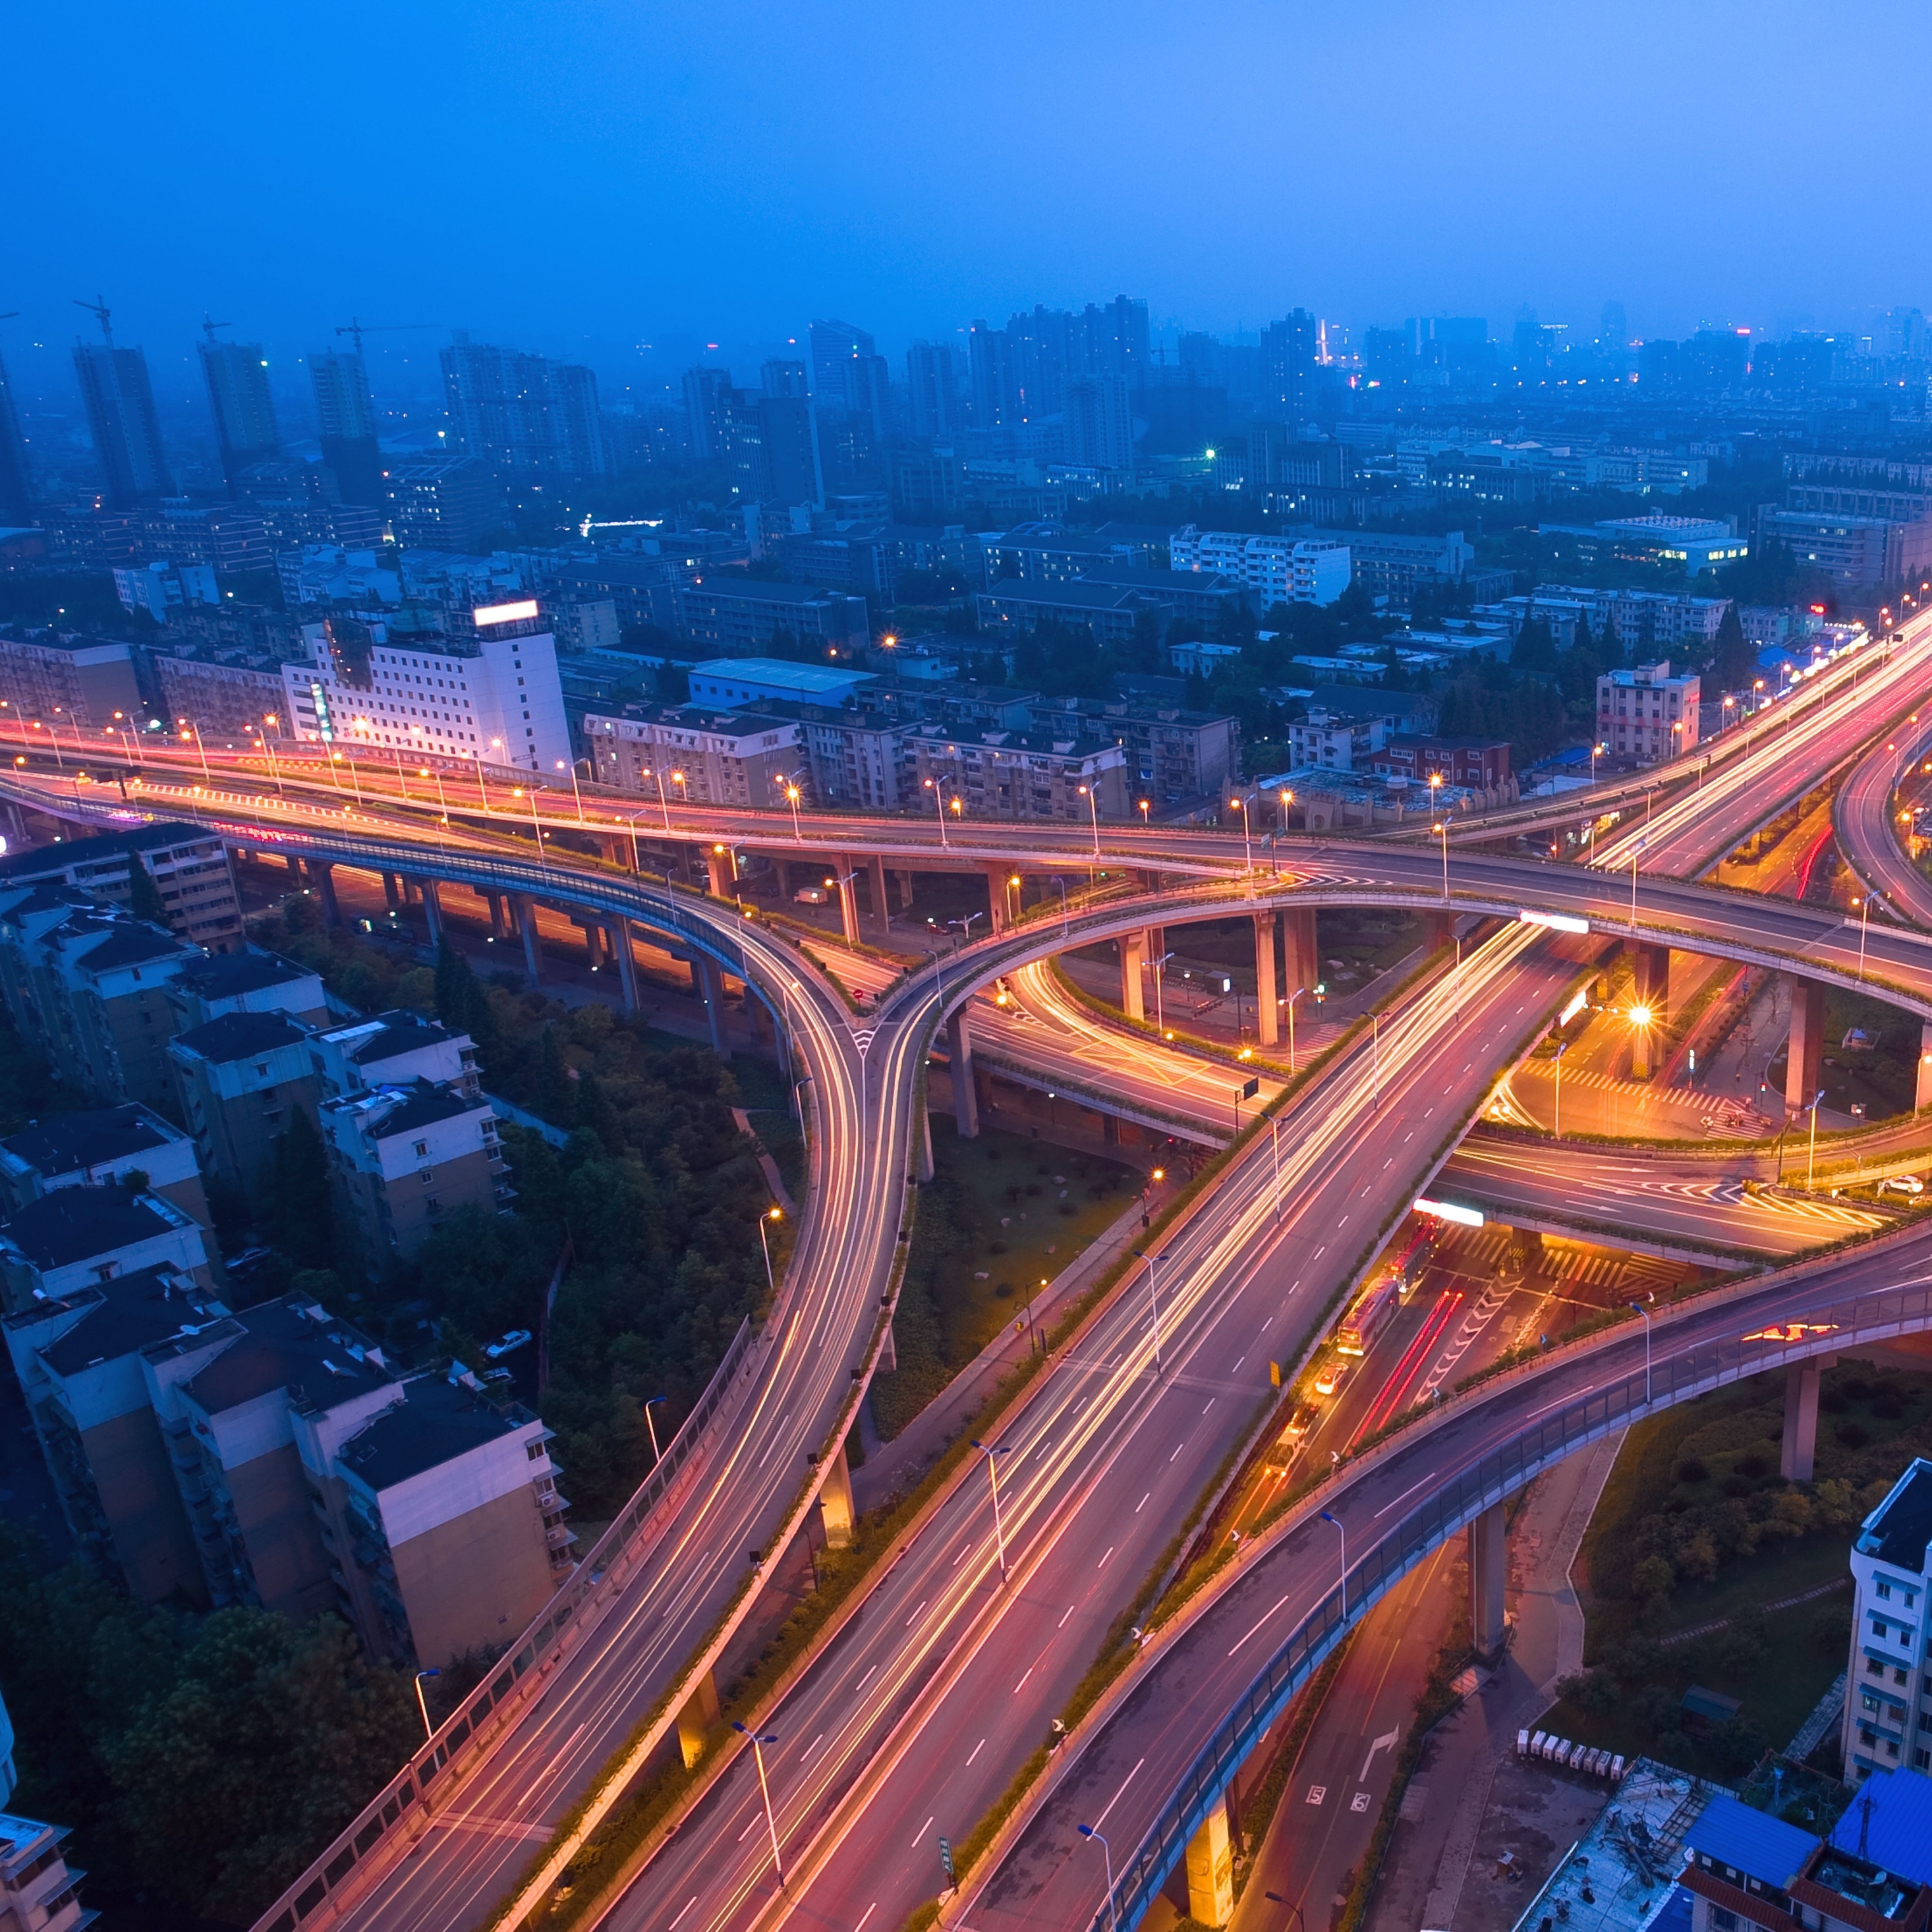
<point x="1479" y="764"/>
<point x="252" y="981"/>
<point x="1394" y="566"/>
<point x="75" y="1237"/>
<point x="1274" y="570"/>
<point x="490" y="695"/>
<point x="1646" y="715"/>
<point x="104" y="1147"/>
<point x="1859" y="552"/>
<point x="1069" y="776"/>
<point x="1109" y="611"/>
<point x="1174" y="753"/>
<point x="1643" y="620"/>
<point x="237" y="1078"/>
<point x="64" y="679"/>
<point x="37" y="1889"/>
<point x="857" y="759"/>
<point x="224" y="704"/>
<point x="88" y="990"/>
<point x="77" y="1355"/>
<point x="735" y="617"/>
<point x="392" y="1049"/>
<point x="403" y="1159"/>
<point x="1888" y="1699"/>
<point x="188" y="864"/>
<point x="698" y="754"/>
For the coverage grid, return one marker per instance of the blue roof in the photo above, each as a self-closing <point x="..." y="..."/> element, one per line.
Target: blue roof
<point x="1675" y="1914"/>
<point x="1898" y="1834"/>
<point x="1752" y="1842"/>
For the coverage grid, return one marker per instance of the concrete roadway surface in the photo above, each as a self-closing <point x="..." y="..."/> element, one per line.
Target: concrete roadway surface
<point x="917" y="1717"/>
<point x="1051" y="1877"/>
<point x="1868" y="834"/>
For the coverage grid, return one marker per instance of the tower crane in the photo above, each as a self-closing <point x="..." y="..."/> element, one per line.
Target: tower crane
<point x="99" y="309"/>
<point x="359" y="329"/>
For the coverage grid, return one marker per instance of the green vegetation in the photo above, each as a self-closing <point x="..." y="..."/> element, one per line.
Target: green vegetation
<point x="200" y="1759"/>
<point x="992" y="1209"/>
<point x="27" y="1089"/>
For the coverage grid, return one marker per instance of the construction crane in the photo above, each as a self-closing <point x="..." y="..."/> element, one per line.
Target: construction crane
<point x="208" y="328"/>
<point x="358" y="329"/>
<point x="98" y="309"/>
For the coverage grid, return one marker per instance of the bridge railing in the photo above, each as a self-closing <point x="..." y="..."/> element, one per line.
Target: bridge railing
<point x="407" y="1802"/>
<point x="1675" y="1377"/>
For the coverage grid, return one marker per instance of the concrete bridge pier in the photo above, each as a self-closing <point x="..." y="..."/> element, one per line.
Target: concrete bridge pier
<point x="700" y="1711"/>
<point x="999" y="896"/>
<point x="1804" y="1066"/>
<point x="905" y="889"/>
<point x="526" y="924"/>
<point x="619" y="934"/>
<point x="498" y="930"/>
<point x="1210" y="1869"/>
<point x="881" y="905"/>
<point x="1923" y="1097"/>
<point x="834" y="1501"/>
<point x="392" y="896"/>
<point x="922" y="1168"/>
<point x="1799" y="1447"/>
<point x="1439" y="928"/>
<point x="718" y="872"/>
<point x="959" y="1064"/>
<point x="432" y="910"/>
<point x="711" y="986"/>
<point x="323" y="875"/>
<point x="846" y="868"/>
<point x="1267" y="1013"/>
<point x="295" y="869"/>
<point x="1650" y="989"/>
<point x="1133" y="956"/>
<point x="1303" y="962"/>
<point x="1488" y="1550"/>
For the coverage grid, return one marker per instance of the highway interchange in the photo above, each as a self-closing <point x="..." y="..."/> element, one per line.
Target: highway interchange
<point x="917" y="1716"/>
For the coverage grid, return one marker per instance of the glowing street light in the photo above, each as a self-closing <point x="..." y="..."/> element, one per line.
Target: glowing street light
<point x="772" y="1214"/>
<point x="987" y="1450"/>
<point x="759" y="1741"/>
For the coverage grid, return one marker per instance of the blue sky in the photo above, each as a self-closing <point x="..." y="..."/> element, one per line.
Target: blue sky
<point x="584" y="176"/>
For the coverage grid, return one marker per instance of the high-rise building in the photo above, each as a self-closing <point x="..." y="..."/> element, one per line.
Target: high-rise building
<point x="237" y="373"/>
<point x="1287" y="367"/>
<point x="1100" y="423"/>
<point x="781" y="378"/>
<point x="995" y="394"/>
<point x="933" y="390"/>
<point x="347" y="413"/>
<point x="706" y="396"/>
<point x="120" y="405"/>
<point x="16" y="486"/>
<point x="523" y="412"/>
<point x="772" y="444"/>
<point x="833" y="345"/>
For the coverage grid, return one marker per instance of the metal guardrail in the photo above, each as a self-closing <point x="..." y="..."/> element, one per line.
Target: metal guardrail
<point x="1678" y="1377"/>
<point x="405" y="1801"/>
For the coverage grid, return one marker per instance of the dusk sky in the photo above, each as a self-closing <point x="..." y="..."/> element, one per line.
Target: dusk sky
<point x="584" y="178"/>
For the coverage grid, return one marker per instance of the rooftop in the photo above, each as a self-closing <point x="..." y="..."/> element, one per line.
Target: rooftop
<point x="1731" y="1833"/>
<point x="234" y="1036"/>
<point x="1893" y="1811"/>
<point x="130" y="1312"/>
<point x="1082" y="594"/>
<point x="386" y="1036"/>
<point x="45" y="861"/>
<point x="437" y="1421"/>
<point x="292" y="1345"/>
<point x="780" y="671"/>
<point x="75" y="1224"/>
<point x="226" y="975"/>
<point x="1898" y="1530"/>
<point x="96" y="1137"/>
<point x="130" y="942"/>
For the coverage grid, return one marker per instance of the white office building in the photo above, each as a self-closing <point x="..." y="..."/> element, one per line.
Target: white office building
<point x="1646" y="715"/>
<point x="492" y="695"/>
<point x="1277" y="570"/>
<point x="1887" y="1710"/>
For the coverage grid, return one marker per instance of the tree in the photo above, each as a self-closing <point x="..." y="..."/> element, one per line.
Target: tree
<point x="301" y="1217"/>
<point x="1733" y="662"/>
<point x="144" y="896"/>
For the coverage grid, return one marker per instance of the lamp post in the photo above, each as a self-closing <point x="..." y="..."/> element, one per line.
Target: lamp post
<point x="1107" y="1865"/>
<point x="759" y="1741"/>
<point x="422" y="1703"/>
<point x="575" y="792"/>
<point x="1337" y="1522"/>
<point x="770" y="1214"/>
<point x="1153" y="1303"/>
<point x="1634" y="850"/>
<point x="657" y="1454"/>
<point x="1556" y="1128"/>
<point x="987" y="1450"/>
<point x="268" y="752"/>
<point x="1441" y="829"/>
<point x="1159" y="1010"/>
<point x="1091" y="793"/>
<point x="1811" y="1159"/>
<point x="1240" y="805"/>
<point x="664" y="803"/>
<point x="1646" y="1313"/>
<point x="1864" y="906"/>
<point x="1291" y="998"/>
<point x="938" y="805"/>
<point x="793" y="794"/>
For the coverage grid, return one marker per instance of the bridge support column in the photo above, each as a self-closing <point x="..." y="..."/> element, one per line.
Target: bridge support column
<point x="1133" y="956"/>
<point x="959" y="1064"/>
<point x="881" y="906"/>
<point x="1488" y="1569"/>
<point x="526" y="924"/>
<point x="392" y="897"/>
<point x="1438" y="929"/>
<point x="432" y="910"/>
<point x="323" y="873"/>
<point x="1923" y="1098"/>
<point x="701" y="1710"/>
<point x="834" y="1501"/>
<point x="1806" y="1059"/>
<point x="905" y="889"/>
<point x="1210" y="1869"/>
<point x="711" y="988"/>
<point x="619" y="932"/>
<point x="1650" y="989"/>
<point x="922" y="1146"/>
<point x="889" y="1354"/>
<point x="1303" y="962"/>
<point x="1798" y="1449"/>
<point x="718" y="869"/>
<point x="999" y="899"/>
<point x="847" y="867"/>
<point x="295" y="870"/>
<point x="1267" y="1014"/>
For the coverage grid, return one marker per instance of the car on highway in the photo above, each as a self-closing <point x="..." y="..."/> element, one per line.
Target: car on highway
<point x="1331" y="1375"/>
<point x="1902" y="1184"/>
<point x="246" y="1262"/>
<point x="809" y="895"/>
<point x="1303" y="1420"/>
<point x="508" y="1345"/>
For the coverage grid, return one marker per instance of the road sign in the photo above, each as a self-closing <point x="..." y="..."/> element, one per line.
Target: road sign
<point x="1274" y="1373"/>
<point x="1253" y="1087"/>
<point x="945" y="1862"/>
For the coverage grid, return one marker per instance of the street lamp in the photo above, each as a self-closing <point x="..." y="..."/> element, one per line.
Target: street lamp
<point x="938" y="805"/>
<point x="770" y="1214"/>
<point x="1159" y="1009"/>
<point x="422" y="1703"/>
<point x="1091" y="793"/>
<point x="1153" y="1303"/>
<point x="1240" y="805"/>
<point x="1107" y="1861"/>
<point x="1441" y="828"/>
<point x="759" y="1741"/>
<point x="1646" y="1313"/>
<point x="657" y="1454"/>
<point x="793" y="794"/>
<point x="993" y="1473"/>
<point x="1291" y="998"/>
<point x="1811" y="1159"/>
<point x="1556" y="1127"/>
<point x="1337" y="1522"/>
<point x="1595" y="749"/>
<point x="575" y="792"/>
<point x="1865" y="905"/>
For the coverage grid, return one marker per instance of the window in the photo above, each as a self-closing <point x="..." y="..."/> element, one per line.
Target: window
<point x="1884" y="1589"/>
<point x="422" y="1152"/>
<point x="534" y="1450"/>
<point x="1723" y="1920"/>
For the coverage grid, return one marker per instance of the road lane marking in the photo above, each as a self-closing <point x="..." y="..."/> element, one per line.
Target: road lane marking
<point x="1385" y="1742"/>
<point x="810" y="1747"/>
<point x="961" y="1557"/>
<point x="1316" y="1792"/>
<point x="976" y="1750"/>
<point x="1143" y="1503"/>
<point x="1237" y="1366"/>
<point x="907" y="1624"/>
<point x="918" y="1837"/>
<point x="1212" y="1399"/>
<point x="1022" y="1685"/>
<point x="681" y="1917"/>
<point x="1103" y="1563"/>
<point x="1403" y="1498"/>
<point x="1116" y="1798"/>
<point x="1252" y="1627"/>
<point x="1062" y="1623"/>
<point x="1177" y="1447"/>
<point x="869" y="1910"/>
<point x="747" y="1831"/>
<point x="869" y="1676"/>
